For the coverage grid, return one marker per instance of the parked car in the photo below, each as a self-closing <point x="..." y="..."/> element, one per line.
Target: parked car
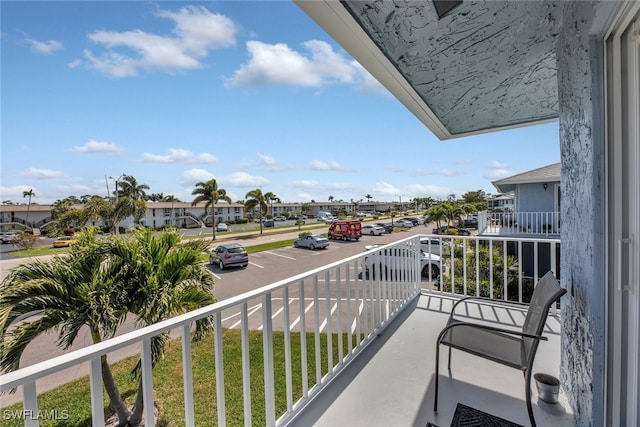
<point x="8" y="236"/>
<point x="414" y="220"/>
<point x="388" y="228"/>
<point x="311" y="241"/>
<point x="404" y="223"/>
<point x="392" y="260"/>
<point x="222" y="227"/>
<point x="435" y="246"/>
<point x="460" y="231"/>
<point x="279" y="218"/>
<point x="229" y="255"/>
<point x="471" y="223"/>
<point x="64" y="242"/>
<point x="372" y="230"/>
<point x="301" y="217"/>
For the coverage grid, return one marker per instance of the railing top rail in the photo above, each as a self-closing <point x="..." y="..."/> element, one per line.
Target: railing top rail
<point x="31" y="373"/>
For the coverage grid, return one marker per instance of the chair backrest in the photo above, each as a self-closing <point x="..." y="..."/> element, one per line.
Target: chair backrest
<point x="545" y="294"/>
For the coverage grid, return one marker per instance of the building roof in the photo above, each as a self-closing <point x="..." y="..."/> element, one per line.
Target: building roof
<point x="550" y="173"/>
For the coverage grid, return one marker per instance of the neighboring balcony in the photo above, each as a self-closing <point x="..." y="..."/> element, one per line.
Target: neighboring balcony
<point x="529" y="224"/>
<point x="359" y="346"/>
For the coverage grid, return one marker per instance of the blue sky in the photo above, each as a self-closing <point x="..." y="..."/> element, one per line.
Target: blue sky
<point x="253" y="94"/>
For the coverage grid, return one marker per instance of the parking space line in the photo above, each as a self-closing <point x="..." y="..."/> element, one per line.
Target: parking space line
<point x="295" y="322"/>
<point x="283" y="256"/>
<point x="253" y="263"/>
<point x="333" y="310"/>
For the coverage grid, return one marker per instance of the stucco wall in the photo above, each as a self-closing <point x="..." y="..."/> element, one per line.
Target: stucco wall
<point x="580" y="78"/>
<point x="534" y="198"/>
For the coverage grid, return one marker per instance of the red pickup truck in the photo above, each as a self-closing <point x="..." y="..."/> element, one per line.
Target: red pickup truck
<point x="345" y="230"/>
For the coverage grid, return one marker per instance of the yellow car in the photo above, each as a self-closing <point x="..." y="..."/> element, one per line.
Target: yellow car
<point x="64" y="242"/>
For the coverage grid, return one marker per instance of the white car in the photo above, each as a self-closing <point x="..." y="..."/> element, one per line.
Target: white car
<point x="311" y="241"/>
<point x="394" y="260"/>
<point x="372" y="230"/>
<point x="405" y="223"/>
<point x="7" y="236"/>
<point x="222" y="227"/>
<point x="435" y="246"/>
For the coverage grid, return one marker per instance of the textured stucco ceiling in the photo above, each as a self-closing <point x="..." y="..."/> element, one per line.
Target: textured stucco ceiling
<point x="484" y="66"/>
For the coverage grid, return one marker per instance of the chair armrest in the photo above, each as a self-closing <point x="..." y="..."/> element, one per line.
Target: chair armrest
<point x="494" y="329"/>
<point x="500" y="303"/>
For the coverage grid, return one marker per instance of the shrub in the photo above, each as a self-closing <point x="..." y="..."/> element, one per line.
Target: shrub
<point x="304" y="234"/>
<point x="25" y="240"/>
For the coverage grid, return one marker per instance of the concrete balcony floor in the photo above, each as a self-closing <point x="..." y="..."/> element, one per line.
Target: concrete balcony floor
<point x="391" y="383"/>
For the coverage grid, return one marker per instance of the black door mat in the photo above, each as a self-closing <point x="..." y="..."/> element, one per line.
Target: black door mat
<point x="466" y="416"/>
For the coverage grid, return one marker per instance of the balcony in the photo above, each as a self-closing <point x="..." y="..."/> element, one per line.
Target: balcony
<point x="367" y="354"/>
<point x="523" y="224"/>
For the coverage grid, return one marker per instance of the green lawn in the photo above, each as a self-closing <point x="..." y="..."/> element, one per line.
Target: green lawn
<point x="73" y="399"/>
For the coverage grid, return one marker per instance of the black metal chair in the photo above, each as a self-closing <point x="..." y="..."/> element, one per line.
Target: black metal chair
<point x="516" y="349"/>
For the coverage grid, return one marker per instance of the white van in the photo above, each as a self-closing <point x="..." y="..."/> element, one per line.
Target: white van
<point x="325" y="217"/>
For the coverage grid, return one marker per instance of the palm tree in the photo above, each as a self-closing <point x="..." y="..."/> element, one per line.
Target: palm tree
<point x="130" y="198"/>
<point x="270" y="197"/>
<point x="435" y="214"/>
<point x="162" y="279"/>
<point x="331" y="198"/>
<point x="29" y="194"/>
<point x="209" y="193"/>
<point x="368" y="197"/>
<point x="129" y="187"/>
<point x="67" y="293"/>
<point x="255" y="199"/>
<point x="95" y="286"/>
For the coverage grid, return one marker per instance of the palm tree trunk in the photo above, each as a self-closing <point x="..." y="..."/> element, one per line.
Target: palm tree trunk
<point x="136" y="416"/>
<point x="110" y="386"/>
<point x="213" y="219"/>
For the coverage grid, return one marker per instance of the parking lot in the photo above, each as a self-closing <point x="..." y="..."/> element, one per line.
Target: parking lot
<point x="265" y="268"/>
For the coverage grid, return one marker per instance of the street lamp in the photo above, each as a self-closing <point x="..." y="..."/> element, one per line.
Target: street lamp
<point x="116" y="180"/>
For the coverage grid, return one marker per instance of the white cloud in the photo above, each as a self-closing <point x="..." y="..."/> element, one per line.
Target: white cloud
<point x="499" y="165"/>
<point x="193" y="176"/>
<point x="243" y="179"/>
<point x="15" y="192"/>
<point x="74" y="64"/>
<point x="196" y="32"/>
<point x="498" y="170"/>
<point x="44" y="48"/>
<point x="386" y="189"/>
<point x="267" y="160"/>
<point x="442" y="172"/>
<point x="279" y="64"/>
<point x="36" y="173"/>
<point x="94" y="146"/>
<point x="497" y="174"/>
<point x="179" y="155"/>
<point x="332" y="165"/>
<point x="317" y="187"/>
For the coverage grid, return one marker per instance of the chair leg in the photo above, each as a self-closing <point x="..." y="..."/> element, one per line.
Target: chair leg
<point x="449" y="363"/>
<point x="435" y="399"/>
<point x="527" y="392"/>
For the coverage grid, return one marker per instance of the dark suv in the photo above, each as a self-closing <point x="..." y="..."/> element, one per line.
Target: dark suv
<point x="471" y="223"/>
<point x="460" y="231"/>
<point x="388" y="228"/>
<point x="229" y="255"/>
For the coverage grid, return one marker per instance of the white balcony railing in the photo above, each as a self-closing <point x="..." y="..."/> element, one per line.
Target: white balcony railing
<point x="340" y="308"/>
<point x="519" y="223"/>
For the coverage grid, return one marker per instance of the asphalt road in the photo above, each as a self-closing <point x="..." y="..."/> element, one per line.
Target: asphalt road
<point x="264" y="268"/>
